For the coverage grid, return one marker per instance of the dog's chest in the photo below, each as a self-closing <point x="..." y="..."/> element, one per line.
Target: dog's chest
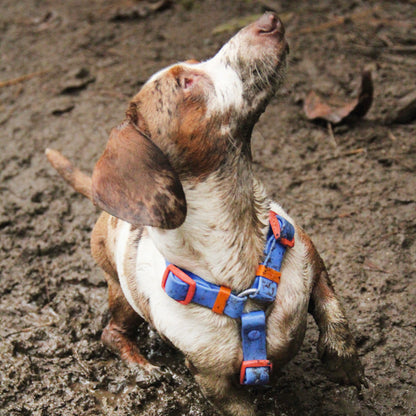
<point x="190" y="328"/>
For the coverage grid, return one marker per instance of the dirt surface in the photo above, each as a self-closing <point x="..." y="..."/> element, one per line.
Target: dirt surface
<point x="351" y="187"/>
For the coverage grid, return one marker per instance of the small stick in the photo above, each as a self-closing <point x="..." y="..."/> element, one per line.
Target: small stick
<point x="343" y="154"/>
<point x="331" y="135"/>
<point x="392" y="137"/>
<point x="348" y="153"/>
<point x="83" y="365"/>
<point x="338" y="156"/>
<point x="20" y="79"/>
<point x="339" y="20"/>
<point x="29" y="329"/>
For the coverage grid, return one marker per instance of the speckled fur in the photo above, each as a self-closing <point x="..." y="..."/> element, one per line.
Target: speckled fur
<point x="199" y="116"/>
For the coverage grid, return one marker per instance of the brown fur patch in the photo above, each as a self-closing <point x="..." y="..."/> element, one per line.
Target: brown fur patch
<point x="134" y="181"/>
<point x="173" y="109"/>
<point x="101" y="247"/>
<point x="336" y="342"/>
<point x="314" y="258"/>
<point x="114" y="222"/>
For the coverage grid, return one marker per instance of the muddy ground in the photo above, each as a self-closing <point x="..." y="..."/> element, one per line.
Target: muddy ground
<point x="70" y="68"/>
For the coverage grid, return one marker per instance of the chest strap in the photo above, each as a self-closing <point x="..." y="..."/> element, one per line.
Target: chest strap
<point x="185" y="287"/>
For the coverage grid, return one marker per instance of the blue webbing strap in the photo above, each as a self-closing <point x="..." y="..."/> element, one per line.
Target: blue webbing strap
<point x="256" y="368"/>
<point x="186" y="287"/>
<point x="205" y="292"/>
<point x="273" y="253"/>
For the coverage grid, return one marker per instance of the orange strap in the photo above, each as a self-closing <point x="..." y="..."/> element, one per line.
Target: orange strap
<point x="268" y="273"/>
<point x="221" y="299"/>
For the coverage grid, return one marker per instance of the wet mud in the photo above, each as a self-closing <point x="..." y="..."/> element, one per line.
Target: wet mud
<point x="67" y="71"/>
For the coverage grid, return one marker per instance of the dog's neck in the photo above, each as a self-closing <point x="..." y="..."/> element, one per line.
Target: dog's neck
<point x="223" y="236"/>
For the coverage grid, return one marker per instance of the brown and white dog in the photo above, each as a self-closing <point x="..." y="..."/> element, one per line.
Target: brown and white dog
<point x="176" y="183"/>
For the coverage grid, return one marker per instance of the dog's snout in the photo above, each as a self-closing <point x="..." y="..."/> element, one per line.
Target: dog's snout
<point x="270" y="23"/>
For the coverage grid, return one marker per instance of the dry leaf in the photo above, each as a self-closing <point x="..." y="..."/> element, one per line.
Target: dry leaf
<point x="405" y="110"/>
<point x="318" y="108"/>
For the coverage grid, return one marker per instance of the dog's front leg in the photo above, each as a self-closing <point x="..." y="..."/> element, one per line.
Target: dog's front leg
<point x="120" y="334"/>
<point x="336" y="345"/>
<point x="225" y="395"/>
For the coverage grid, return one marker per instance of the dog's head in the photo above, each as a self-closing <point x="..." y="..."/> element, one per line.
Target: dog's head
<point x="186" y="122"/>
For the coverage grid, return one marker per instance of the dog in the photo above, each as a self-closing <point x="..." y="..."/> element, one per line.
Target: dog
<point x="179" y="197"/>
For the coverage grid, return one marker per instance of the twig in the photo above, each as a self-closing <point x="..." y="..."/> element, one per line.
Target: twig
<point x="338" y="156"/>
<point x="85" y="368"/>
<point x="6" y="118"/>
<point x="339" y="20"/>
<point x="392" y="137"/>
<point x="343" y="154"/>
<point x="346" y="214"/>
<point x="331" y="135"/>
<point x="31" y="328"/>
<point x="403" y="50"/>
<point x="369" y="265"/>
<point x="20" y="79"/>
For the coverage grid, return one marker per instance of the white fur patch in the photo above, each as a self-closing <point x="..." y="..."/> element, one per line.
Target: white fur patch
<point x="227" y="84"/>
<point x="123" y="232"/>
<point x="190" y="328"/>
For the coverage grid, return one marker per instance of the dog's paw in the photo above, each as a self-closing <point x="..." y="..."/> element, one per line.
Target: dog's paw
<point x="346" y="370"/>
<point x="149" y="374"/>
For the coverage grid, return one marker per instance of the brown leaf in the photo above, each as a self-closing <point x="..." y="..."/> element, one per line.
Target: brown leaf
<point x="318" y="108"/>
<point x="404" y="111"/>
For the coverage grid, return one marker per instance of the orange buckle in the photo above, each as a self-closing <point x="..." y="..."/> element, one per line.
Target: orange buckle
<point x="268" y="273"/>
<point x="185" y="278"/>
<point x="221" y="300"/>
<point x="253" y="363"/>
<point x="275" y="224"/>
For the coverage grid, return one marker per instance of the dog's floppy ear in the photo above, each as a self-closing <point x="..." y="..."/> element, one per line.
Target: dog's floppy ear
<point x="133" y="180"/>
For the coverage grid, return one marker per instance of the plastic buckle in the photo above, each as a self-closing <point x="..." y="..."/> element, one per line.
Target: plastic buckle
<point x="181" y="275"/>
<point x="278" y="223"/>
<point x="255" y="372"/>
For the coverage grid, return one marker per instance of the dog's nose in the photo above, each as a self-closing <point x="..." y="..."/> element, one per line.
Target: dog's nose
<point x="270" y="23"/>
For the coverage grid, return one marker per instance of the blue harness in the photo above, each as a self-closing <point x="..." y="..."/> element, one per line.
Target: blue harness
<point x="185" y="287"/>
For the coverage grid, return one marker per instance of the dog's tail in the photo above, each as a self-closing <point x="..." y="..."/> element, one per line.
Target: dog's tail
<point x="80" y="181"/>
